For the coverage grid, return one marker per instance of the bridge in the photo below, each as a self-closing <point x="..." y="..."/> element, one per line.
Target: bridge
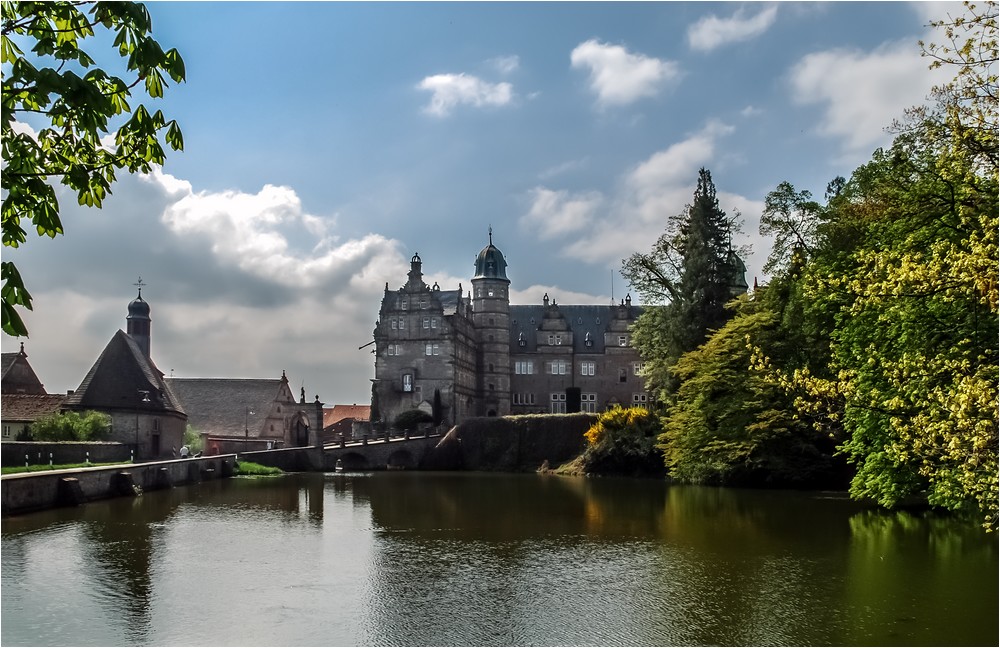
<point x="382" y="453"/>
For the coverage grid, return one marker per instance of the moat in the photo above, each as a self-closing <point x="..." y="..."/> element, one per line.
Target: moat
<point x="402" y="558"/>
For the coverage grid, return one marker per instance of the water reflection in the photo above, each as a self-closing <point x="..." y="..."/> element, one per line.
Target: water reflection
<point x="490" y="559"/>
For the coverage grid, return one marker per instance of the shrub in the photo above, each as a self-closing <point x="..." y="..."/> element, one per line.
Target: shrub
<point x="623" y="442"/>
<point x="410" y="419"/>
<point x="72" y="426"/>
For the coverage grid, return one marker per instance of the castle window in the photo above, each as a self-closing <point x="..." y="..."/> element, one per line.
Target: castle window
<point x="520" y="339"/>
<point x="640" y="400"/>
<point x="404" y="304"/>
<point x="524" y="367"/>
<point x="637" y="368"/>
<point x="432" y="349"/>
<point x="588" y="403"/>
<point x="622" y="375"/>
<point x="557" y="367"/>
<point x="407" y="382"/>
<point x="558" y="403"/>
<point x="423" y="302"/>
<point x="622" y="340"/>
<point x="6" y="431"/>
<point x="522" y="399"/>
<point x="427" y="322"/>
<point x="489" y="292"/>
<point x="392" y="323"/>
<point x="434" y="322"/>
<point x="587" y="368"/>
<point x="156" y="425"/>
<point x="587" y="341"/>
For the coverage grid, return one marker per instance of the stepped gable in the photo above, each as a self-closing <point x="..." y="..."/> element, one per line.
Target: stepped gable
<point x="115" y="380"/>
<point x="218" y="406"/>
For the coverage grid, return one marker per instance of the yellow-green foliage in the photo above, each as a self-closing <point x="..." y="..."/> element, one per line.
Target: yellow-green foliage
<point x="623" y="441"/>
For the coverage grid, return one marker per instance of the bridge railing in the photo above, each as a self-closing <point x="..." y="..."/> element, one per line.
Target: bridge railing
<point x="388" y="437"/>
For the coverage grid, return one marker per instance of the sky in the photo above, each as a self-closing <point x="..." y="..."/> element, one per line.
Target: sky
<point x="326" y="143"/>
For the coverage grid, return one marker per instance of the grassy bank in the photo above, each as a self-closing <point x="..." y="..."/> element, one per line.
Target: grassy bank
<point x="248" y="468"/>
<point x="14" y="470"/>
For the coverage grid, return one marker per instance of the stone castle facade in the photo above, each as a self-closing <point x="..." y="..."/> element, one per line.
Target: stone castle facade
<point x="478" y="355"/>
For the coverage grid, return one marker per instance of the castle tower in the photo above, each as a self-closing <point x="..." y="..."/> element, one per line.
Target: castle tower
<point x="491" y="316"/>
<point x="138" y="321"/>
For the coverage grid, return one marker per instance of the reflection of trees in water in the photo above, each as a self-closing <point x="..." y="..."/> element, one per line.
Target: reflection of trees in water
<point x="939" y="558"/>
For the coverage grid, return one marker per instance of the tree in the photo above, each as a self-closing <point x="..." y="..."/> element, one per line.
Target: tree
<point x="72" y="426"/>
<point x="622" y="442"/>
<point x="694" y="269"/>
<point x="905" y="279"/>
<point x="81" y="107"/>
<point x="732" y="427"/>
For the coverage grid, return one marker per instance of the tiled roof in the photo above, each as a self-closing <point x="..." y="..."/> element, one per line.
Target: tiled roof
<point x="121" y="378"/>
<point x="29" y="407"/>
<point x="219" y="406"/>
<point x="338" y="413"/>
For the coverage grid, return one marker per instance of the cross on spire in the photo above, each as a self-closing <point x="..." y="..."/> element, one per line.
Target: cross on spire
<point x="140" y="285"/>
<point x="491" y="235"/>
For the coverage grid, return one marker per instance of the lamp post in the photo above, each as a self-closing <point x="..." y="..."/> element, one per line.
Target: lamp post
<point x="145" y="399"/>
<point x="246" y="429"/>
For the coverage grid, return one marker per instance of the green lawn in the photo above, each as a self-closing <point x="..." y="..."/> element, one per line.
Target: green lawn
<point x="13" y="470"/>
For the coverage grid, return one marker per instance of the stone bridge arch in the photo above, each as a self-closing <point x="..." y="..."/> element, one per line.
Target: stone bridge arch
<point x="354" y="461"/>
<point x="400" y="459"/>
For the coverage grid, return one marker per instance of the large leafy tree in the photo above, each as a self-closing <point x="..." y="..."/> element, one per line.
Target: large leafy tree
<point x="87" y="129"/>
<point x="905" y="277"/>
<point x="688" y="277"/>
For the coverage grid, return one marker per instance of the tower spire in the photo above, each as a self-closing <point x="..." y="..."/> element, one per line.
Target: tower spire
<point x="491" y="234"/>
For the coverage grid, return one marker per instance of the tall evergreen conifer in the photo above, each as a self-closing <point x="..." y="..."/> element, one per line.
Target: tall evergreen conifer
<point x="693" y="269"/>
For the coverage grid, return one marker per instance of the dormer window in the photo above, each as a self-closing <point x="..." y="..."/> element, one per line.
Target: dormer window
<point x="520" y="340"/>
<point x="587" y="341"/>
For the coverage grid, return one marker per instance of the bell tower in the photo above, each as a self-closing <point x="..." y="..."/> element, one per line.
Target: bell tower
<point x="138" y="322"/>
<point x="491" y="316"/>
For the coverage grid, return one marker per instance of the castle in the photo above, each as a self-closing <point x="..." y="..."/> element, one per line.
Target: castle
<point x="457" y="356"/>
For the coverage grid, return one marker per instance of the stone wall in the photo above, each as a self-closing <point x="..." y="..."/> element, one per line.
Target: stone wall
<point x="288" y="459"/>
<point x="27" y="492"/>
<point x="512" y="443"/>
<point x="63" y="452"/>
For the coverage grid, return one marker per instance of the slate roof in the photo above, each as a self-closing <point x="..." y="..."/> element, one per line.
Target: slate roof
<point x="338" y="413"/>
<point x="30" y="407"/>
<point x="17" y="375"/>
<point x="118" y="378"/>
<point x="218" y="406"/>
<point x="579" y="319"/>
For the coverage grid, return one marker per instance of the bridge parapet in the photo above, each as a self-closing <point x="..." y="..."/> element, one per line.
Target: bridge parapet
<point x="383" y="453"/>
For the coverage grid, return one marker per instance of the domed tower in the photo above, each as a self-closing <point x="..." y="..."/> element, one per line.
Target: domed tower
<point x="138" y="321"/>
<point x="491" y="316"/>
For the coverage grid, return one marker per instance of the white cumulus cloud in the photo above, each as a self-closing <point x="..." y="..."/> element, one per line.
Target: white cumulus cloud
<point x="559" y="213"/>
<point x="863" y="92"/>
<point x="618" y="76"/>
<point x="451" y="90"/>
<point x="505" y="64"/>
<point x="711" y="31"/>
